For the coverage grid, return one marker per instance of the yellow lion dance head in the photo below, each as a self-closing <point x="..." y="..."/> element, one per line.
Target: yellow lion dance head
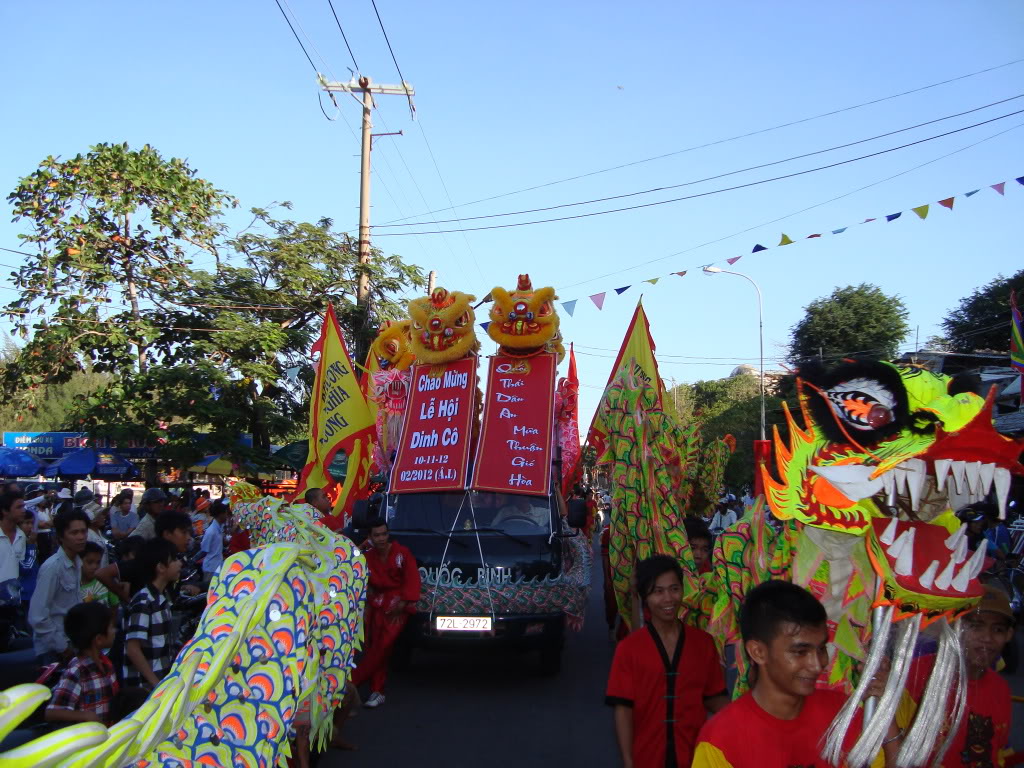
<point x="524" y="321"/>
<point x="391" y="347"/>
<point x="442" y="327"/>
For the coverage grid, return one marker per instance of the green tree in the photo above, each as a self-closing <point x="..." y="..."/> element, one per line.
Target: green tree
<point x="855" y="320"/>
<point x="216" y="351"/>
<point x="982" y="320"/>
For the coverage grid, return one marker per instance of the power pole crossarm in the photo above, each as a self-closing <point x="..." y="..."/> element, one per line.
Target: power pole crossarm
<point x="356" y="86"/>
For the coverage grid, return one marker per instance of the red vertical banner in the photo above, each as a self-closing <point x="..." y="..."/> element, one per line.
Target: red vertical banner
<point x="514" y="455"/>
<point x="433" y="453"/>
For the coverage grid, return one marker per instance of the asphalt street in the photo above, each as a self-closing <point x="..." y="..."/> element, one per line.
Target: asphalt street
<point x="452" y="710"/>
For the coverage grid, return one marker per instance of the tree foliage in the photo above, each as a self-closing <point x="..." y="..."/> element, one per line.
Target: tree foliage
<point x="728" y="406"/>
<point x="982" y="320"/>
<point x="218" y="351"/>
<point x="855" y="320"/>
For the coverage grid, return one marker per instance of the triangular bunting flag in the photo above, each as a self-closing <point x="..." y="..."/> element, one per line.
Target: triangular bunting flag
<point x="622" y="290"/>
<point x="947" y="203"/>
<point x="1019" y="179"/>
<point x="1000" y="187"/>
<point x="867" y="221"/>
<point x="598" y="299"/>
<point x="810" y="236"/>
<point x="838" y="231"/>
<point x="893" y="216"/>
<point x="785" y="239"/>
<point x="484" y="325"/>
<point x="921" y="210"/>
<point x="733" y="260"/>
<point x="681" y="274"/>
<point x="758" y="247"/>
<point x="972" y="192"/>
<point x="569" y="306"/>
<point x="653" y="280"/>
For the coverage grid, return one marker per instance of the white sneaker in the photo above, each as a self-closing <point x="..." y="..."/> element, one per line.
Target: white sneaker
<point x="375" y="700"/>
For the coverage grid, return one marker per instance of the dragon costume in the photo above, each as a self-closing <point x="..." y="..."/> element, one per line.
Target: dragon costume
<point x="279" y="631"/>
<point x="523" y="322"/>
<point x="442" y="327"/>
<point x="864" y="492"/>
<point x="389" y="387"/>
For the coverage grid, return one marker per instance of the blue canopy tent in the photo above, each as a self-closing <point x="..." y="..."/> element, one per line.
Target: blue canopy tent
<point x="16" y="463"/>
<point x="101" y="465"/>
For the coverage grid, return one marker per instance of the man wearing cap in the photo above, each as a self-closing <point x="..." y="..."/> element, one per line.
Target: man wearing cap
<point x="984" y="732"/>
<point x="152" y="504"/>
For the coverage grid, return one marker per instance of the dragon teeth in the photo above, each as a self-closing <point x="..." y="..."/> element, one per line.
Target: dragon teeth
<point x="941" y="472"/>
<point x="977" y="562"/>
<point x="916" y="475"/>
<point x="905" y="557"/>
<point x="960" y="553"/>
<point x="944" y="579"/>
<point x="889" y="486"/>
<point x="956" y="537"/>
<point x="987" y="474"/>
<point x="928" y="577"/>
<point x="973" y="472"/>
<point x="959" y="475"/>
<point x="962" y="579"/>
<point x="1002" y="482"/>
<point x="889" y="534"/>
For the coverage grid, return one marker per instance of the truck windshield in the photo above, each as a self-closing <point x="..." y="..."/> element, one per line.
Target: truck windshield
<point x="511" y="513"/>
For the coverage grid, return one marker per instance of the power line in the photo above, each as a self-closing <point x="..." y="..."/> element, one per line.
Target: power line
<point x="797" y="213"/>
<point x="708" y="178"/>
<point x="386" y="40"/>
<point x="299" y="41"/>
<point x="343" y="36"/>
<point x="711" y="192"/>
<point x="727" y="140"/>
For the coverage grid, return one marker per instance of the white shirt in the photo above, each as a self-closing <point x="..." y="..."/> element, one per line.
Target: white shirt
<point x="11" y="554"/>
<point x="720" y="522"/>
<point x="213" y="548"/>
<point x="57" y="591"/>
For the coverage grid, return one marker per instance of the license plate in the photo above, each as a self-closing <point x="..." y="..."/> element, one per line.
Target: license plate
<point x="463" y="623"/>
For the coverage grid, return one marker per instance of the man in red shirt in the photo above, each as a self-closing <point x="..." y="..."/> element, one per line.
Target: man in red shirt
<point x="985" y="729"/>
<point x="665" y="677"/>
<point x="780" y="722"/>
<point x="391" y="597"/>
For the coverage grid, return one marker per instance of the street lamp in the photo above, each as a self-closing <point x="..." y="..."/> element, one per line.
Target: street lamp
<point x="710" y="270"/>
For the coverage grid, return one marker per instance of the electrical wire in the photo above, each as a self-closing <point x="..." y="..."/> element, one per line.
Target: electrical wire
<point x="386" y="40"/>
<point x="711" y="192"/>
<point x="729" y="139"/>
<point x="796" y="213"/>
<point x="296" y="34"/>
<point x="343" y="36"/>
<point x="708" y="178"/>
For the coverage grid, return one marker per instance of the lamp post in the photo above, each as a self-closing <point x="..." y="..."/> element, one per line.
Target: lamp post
<point x="761" y="448"/>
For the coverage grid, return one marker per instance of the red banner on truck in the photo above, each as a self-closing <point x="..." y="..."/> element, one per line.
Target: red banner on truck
<point x="515" y="441"/>
<point x="433" y="453"/>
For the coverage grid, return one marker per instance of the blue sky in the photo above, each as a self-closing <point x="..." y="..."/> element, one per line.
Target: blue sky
<point x="515" y="95"/>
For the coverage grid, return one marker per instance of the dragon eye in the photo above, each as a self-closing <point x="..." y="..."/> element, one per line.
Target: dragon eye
<point x="463" y="320"/>
<point x="417" y="326"/>
<point x="862" y="404"/>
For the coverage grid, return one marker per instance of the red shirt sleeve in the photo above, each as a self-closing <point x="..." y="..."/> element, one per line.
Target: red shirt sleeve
<point x="714" y="683"/>
<point x="621" y="680"/>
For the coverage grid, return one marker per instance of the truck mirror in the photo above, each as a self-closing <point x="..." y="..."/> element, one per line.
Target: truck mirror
<point x="577" y="513"/>
<point x="360" y="513"/>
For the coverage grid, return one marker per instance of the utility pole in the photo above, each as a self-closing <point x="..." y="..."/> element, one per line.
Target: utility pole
<point x="367" y="88"/>
<point x="431" y="282"/>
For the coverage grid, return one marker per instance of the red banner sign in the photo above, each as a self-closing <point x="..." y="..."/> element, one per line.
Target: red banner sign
<point x="433" y="454"/>
<point x="515" y="442"/>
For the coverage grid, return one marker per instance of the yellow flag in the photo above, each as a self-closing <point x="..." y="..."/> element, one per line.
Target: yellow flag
<point x="339" y="419"/>
<point x="637" y="351"/>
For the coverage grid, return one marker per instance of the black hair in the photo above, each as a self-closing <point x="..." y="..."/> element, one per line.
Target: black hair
<point x="7" y="500"/>
<point x="648" y="571"/>
<point x="310" y="493"/>
<point x="697" y="529"/>
<point x="216" y="510"/>
<point x="85" y="621"/>
<point x="63" y="520"/>
<point x="773" y="603"/>
<point x="152" y="553"/>
<point x="172" y="520"/>
<point x="376" y="522"/>
<point x="91" y="548"/>
<point x="130" y="546"/>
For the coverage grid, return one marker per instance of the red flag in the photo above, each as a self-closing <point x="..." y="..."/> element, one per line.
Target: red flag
<point x="569" y="424"/>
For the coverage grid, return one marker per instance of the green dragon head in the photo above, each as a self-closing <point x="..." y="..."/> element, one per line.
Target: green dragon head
<point x="878" y="435"/>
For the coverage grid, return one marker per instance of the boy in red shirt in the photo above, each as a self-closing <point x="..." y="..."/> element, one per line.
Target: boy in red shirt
<point x="88" y="686"/>
<point x="780" y="722"/>
<point x="391" y="597"/>
<point x="665" y="677"/>
<point x="985" y="729"/>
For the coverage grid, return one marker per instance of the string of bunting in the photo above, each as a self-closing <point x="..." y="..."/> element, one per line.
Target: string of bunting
<point x="921" y="211"/>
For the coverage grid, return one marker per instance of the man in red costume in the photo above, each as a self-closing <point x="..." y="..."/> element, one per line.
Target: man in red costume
<point x="391" y="597"/>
